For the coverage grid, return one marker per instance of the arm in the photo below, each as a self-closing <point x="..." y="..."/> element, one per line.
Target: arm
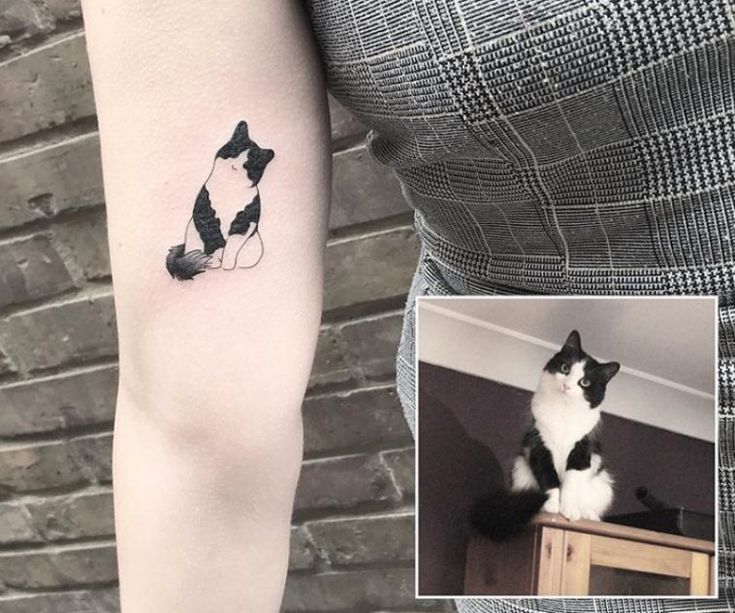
<point x="208" y="434"/>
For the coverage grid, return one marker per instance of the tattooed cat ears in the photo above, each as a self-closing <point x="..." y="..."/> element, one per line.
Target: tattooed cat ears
<point x="573" y="348"/>
<point x="258" y="158"/>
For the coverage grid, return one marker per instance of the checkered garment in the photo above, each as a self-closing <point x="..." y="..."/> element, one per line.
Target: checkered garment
<point x="556" y="147"/>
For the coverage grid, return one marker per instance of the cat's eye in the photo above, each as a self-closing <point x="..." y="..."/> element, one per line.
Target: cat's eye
<point x="584" y="382"/>
<point x="565" y="368"/>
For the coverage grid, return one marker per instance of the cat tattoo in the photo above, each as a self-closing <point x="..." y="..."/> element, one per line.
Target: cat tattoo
<point x="228" y="199"/>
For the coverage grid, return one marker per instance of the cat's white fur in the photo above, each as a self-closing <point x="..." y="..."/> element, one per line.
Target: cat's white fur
<point x="562" y="417"/>
<point x="229" y="189"/>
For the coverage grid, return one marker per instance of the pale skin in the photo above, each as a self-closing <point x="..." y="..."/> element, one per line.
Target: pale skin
<point x="208" y="430"/>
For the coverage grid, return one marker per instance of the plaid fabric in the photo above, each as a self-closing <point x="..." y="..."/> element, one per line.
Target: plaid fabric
<point x="556" y="147"/>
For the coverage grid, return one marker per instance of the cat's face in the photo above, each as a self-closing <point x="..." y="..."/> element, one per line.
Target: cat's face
<point x="576" y="376"/>
<point x="239" y="163"/>
<point x="243" y="153"/>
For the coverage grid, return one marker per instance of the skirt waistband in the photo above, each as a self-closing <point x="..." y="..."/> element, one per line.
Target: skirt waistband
<point x="451" y="269"/>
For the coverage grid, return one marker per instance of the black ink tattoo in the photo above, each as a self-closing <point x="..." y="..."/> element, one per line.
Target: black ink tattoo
<point x="238" y="168"/>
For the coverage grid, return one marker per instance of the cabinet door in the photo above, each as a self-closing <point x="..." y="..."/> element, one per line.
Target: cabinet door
<point x="505" y="569"/>
<point x="603" y="566"/>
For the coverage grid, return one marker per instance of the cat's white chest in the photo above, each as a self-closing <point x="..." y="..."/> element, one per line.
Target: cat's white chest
<point x="230" y="191"/>
<point x="561" y="426"/>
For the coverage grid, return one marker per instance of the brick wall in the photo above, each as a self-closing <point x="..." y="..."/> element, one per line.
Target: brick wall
<point x="352" y="538"/>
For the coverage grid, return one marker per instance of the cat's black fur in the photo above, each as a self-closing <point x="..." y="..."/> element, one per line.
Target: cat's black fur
<point x="185" y="266"/>
<point x="182" y="265"/>
<point x="539" y="457"/>
<point x="207" y="223"/>
<point x="579" y="457"/>
<point x="510" y="511"/>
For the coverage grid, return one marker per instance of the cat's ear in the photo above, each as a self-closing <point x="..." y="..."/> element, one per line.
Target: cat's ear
<point x="608" y="370"/>
<point x="573" y="342"/>
<point x="237" y="143"/>
<point x="241" y="131"/>
<point x="268" y="155"/>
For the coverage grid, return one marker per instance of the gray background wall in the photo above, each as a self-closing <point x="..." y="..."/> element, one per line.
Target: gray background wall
<point x="352" y="539"/>
<point x="666" y="378"/>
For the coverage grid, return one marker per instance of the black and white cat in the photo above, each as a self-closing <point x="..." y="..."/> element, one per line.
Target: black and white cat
<point x="559" y="468"/>
<point x="229" y="199"/>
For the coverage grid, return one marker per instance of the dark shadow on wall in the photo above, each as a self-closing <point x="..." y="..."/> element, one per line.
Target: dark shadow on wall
<point x="455" y="470"/>
<point x="469" y="432"/>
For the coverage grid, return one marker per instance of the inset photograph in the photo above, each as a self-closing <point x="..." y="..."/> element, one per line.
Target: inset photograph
<point x="566" y="446"/>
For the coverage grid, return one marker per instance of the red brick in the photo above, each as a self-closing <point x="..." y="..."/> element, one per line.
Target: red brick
<point x="74" y="516"/>
<point x="35" y="466"/>
<point x="401" y="463"/>
<point x="16" y="525"/>
<point x="372" y="343"/>
<point x="365" y="540"/>
<point x="353" y="420"/>
<point x="69" y="566"/>
<point x="301" y="554"/>
<point x="58" y="402"/>
<point x="46" y="88"/>
<point x="369" y="268"/>
<point x="362" y="590"/>
<point x="329" y="366"/>
<point x="363" y="190"/>
<point x="82" y="241"/>
<point x="345" y="124"/>
<point x="344" y="483"/>
<point x="32" y="269"/>
<point x="42" y="183"/>
<point x="74" y="331"/>
<point x="104" y="600"/>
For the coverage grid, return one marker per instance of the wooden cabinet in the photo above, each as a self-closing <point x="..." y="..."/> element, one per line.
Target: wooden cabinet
<point x="556" y="556"/>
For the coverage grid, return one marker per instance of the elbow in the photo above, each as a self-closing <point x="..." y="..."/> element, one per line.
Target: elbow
<point x="206" y="377"/>
<point x="224" y="411"/>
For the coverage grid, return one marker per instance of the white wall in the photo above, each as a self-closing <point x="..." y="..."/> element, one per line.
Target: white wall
<point x="478" y="346"/>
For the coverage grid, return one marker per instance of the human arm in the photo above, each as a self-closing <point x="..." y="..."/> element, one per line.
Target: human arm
<point x="213" y="370"/>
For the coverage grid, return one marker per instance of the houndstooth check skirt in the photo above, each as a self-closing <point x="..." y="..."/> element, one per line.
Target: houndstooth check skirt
<point x="556" y="147"/>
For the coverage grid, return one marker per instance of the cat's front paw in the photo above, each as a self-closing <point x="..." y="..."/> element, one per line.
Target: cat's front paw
<point x="552" y="502"/>
<point x="570" y="511"/>
<point x="591" y="515"/>
<point x="215" y="259"/>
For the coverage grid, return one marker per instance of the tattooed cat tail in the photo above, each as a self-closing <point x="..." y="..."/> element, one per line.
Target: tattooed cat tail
<point x="185" y="266"/>
<point x="501" y="514"/>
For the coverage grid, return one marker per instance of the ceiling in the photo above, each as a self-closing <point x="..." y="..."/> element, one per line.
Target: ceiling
<point x="673" y="338"/>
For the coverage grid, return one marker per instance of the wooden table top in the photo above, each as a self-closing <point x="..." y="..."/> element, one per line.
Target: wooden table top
<point x="603" y="528"/>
